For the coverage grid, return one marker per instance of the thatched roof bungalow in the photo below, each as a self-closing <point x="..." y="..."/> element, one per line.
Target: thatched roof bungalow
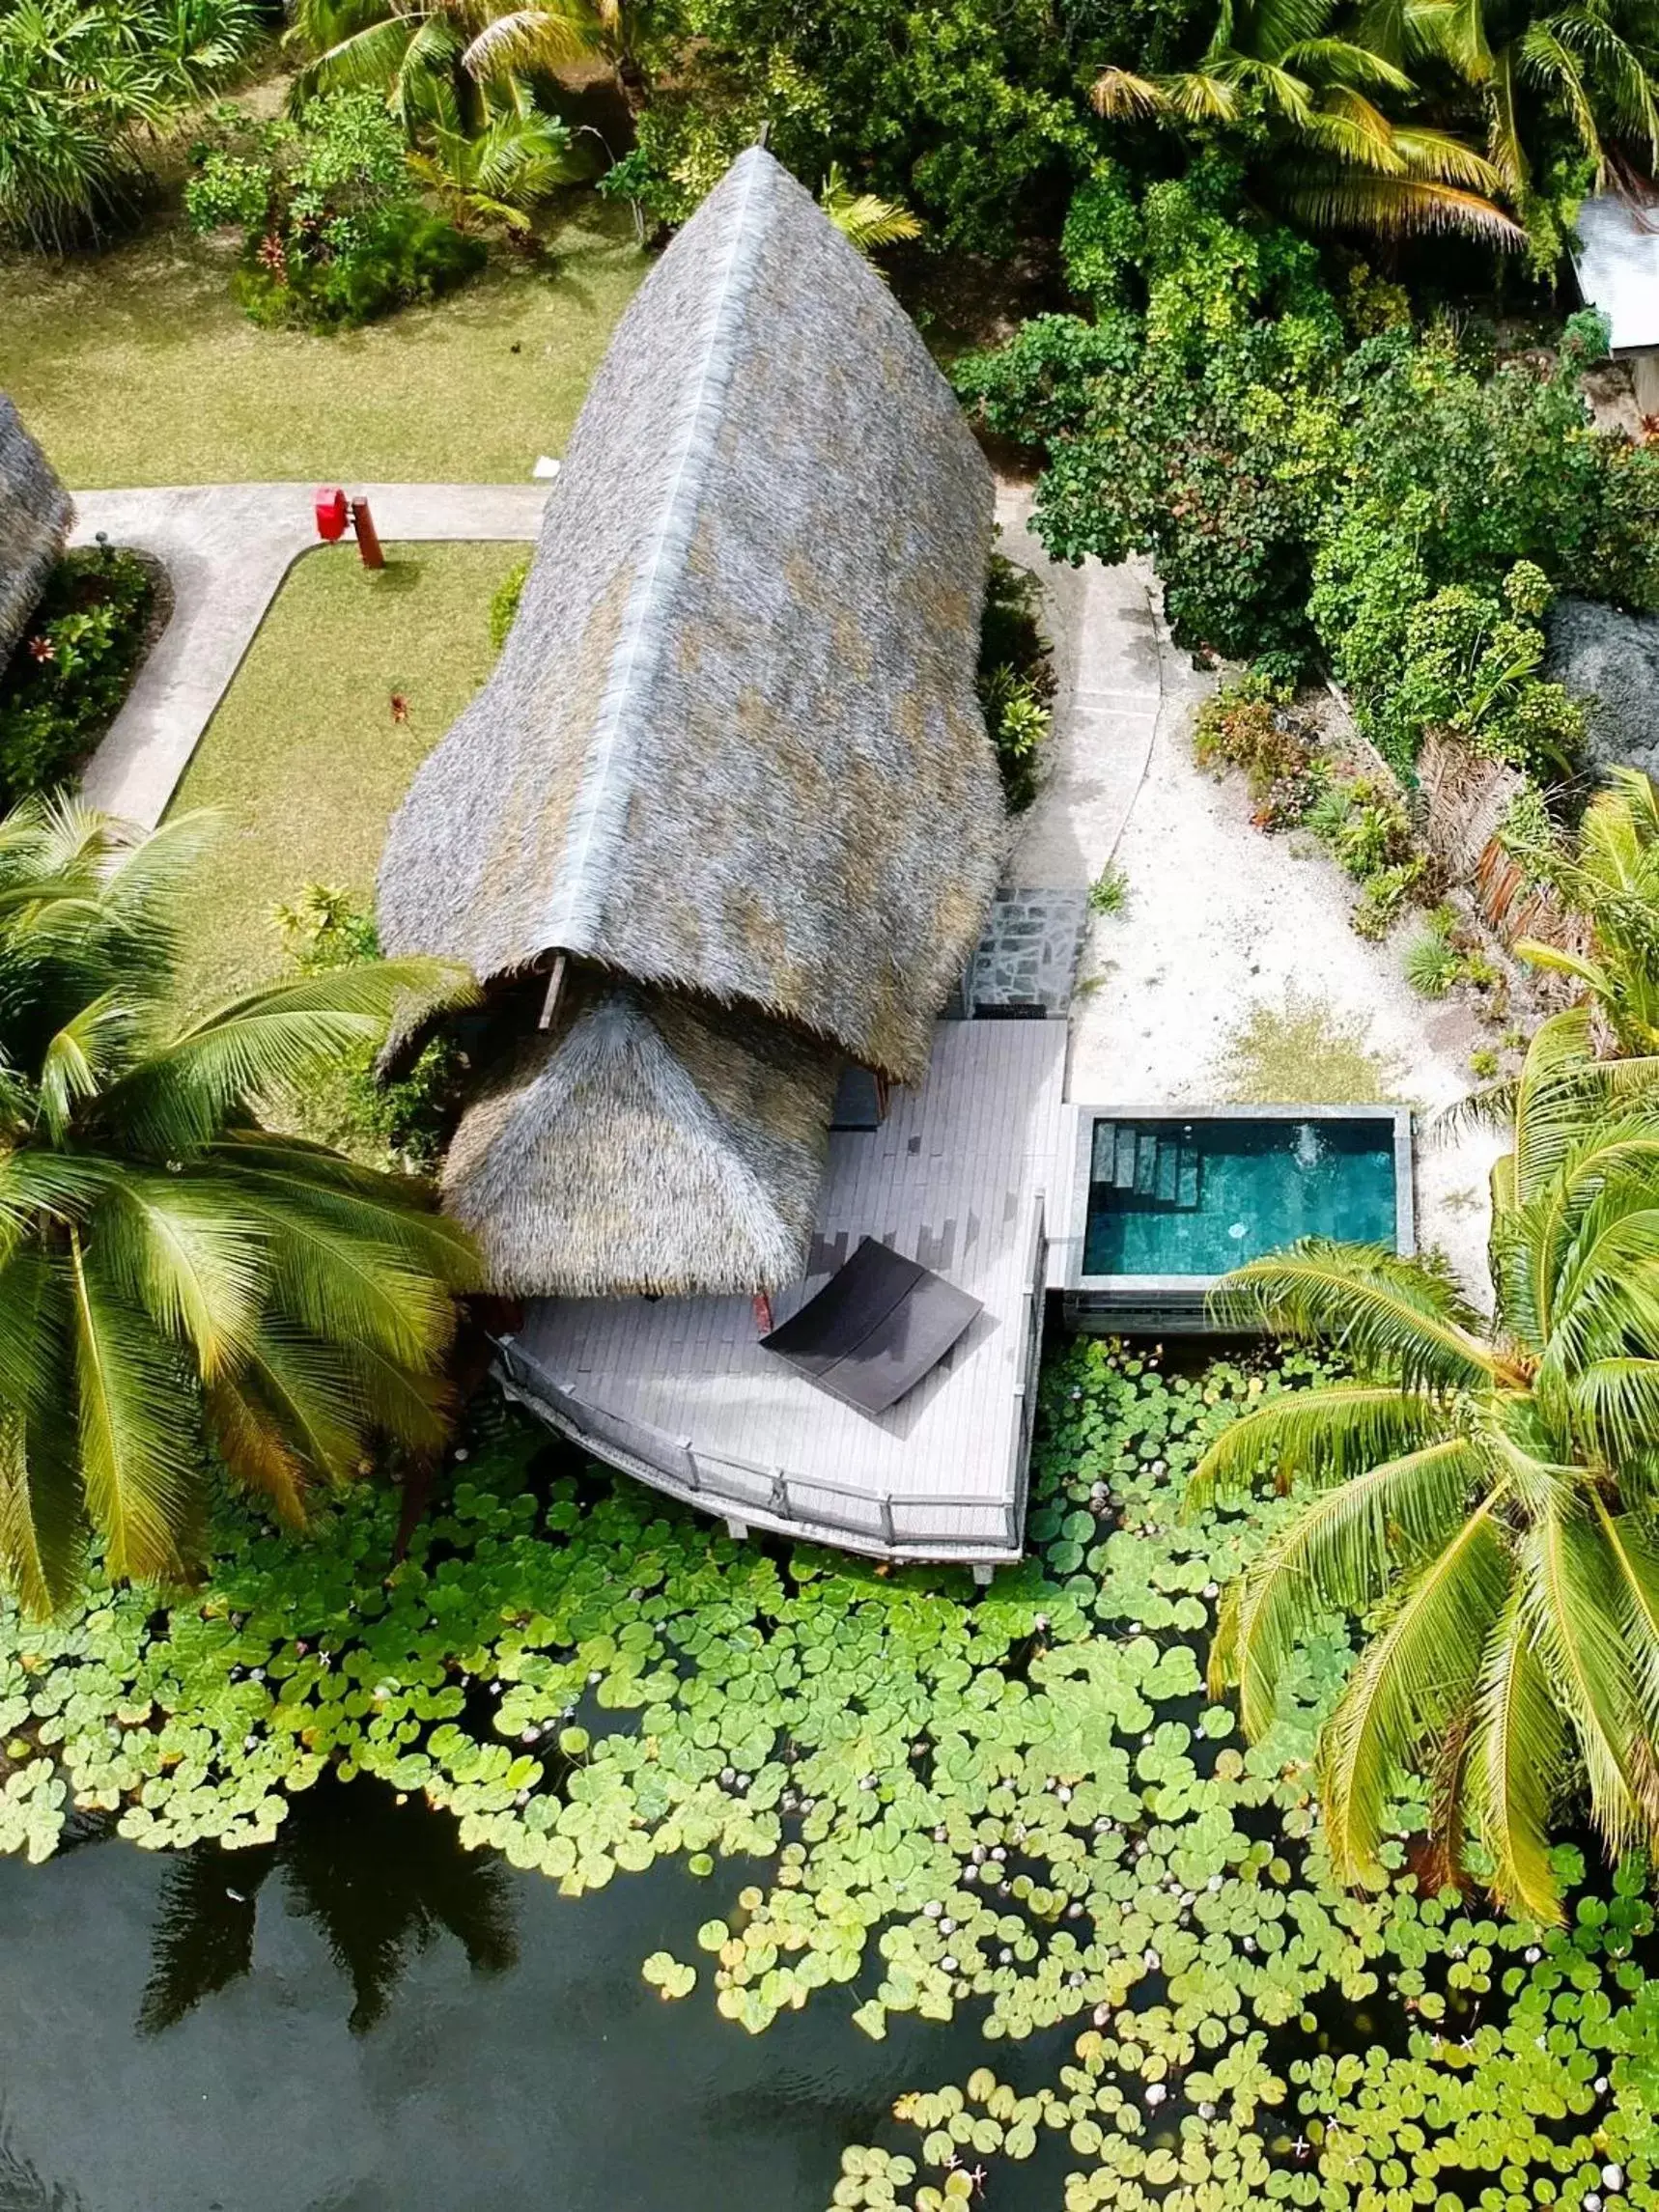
<point x="729" y="772"/>
<point x="35" y="517"/>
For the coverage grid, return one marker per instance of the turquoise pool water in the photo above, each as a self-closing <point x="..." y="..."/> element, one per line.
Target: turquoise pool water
<point x="1196" y="1198"/>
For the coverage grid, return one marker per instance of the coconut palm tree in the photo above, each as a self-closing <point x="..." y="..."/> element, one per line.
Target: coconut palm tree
<point x="435" y="58"/>
<point x="1613" y="879"/>
<point x="1483" y="1494"/>
<point x="1590" y="65"/>
<point x="178" y="1283"/>
<point x="1337" y="160"/>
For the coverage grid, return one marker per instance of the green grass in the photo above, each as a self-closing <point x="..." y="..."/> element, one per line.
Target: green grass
<point x="304" y="759"/>
<point x="1305" y="1053"/>
<point x="136" y="367"/>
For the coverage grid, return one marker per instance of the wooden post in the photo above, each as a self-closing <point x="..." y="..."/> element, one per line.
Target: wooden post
<point x="368" y="538"/>
<point x="556" y="982"/>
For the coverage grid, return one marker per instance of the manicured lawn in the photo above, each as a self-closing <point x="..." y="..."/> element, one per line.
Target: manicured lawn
<point x="137" y="367"/>
<point x="305" y="758"/>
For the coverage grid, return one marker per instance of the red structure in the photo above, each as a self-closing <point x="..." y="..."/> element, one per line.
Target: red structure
<point x="332" y="513"/>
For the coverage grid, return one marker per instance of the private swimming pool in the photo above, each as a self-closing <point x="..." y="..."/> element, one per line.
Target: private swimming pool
<point x="1164" y="1202"/>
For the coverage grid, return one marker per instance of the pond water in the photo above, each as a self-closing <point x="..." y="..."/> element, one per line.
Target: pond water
<point x="1169" y="1197"/>
<point x="367" y="2019"/>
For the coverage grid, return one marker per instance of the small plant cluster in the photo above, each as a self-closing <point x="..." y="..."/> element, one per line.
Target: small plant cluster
<point x="333" y="230"/>
<point x="402" y="1121"/>
<point x="1021" y="1804"/>
<point x="1108" y="893"/>
<point x="1016" y="680"/>
<point x="73" y="667"/>
<point x="1294" y="782"/>
<point x="504" y="603"/>
<point x="1449" y="953"/>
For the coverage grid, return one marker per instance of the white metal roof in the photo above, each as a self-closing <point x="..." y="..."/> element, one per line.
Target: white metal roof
<point x="1617" y="263"/>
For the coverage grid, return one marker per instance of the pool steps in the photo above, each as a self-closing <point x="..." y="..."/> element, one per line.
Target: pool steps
<point x="1147" y="1163"/>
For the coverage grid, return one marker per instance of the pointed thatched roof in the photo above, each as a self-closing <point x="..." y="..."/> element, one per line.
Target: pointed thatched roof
<point x="35" y="517"/>
<point x="652" y="1146"/>
<point x="732" y="745"/>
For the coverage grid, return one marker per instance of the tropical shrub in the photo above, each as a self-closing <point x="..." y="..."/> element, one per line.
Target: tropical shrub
<point x="1608" y="874"/>
<point x="179" y="1286"/>
<point x="504" y="603"/>
<point x="332" y="229"/>
<point x="86" y="86"/>
<point x="1482" y="1494"/>
<point x="1464" y="499"/>
<point x="71" y="669"/>
<point x="1015" y="678"/>
<point x="402" y="1121"/>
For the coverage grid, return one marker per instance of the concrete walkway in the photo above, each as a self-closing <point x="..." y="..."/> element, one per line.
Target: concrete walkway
<point x="226" y="548"/>
<point x="1110" y="672"/>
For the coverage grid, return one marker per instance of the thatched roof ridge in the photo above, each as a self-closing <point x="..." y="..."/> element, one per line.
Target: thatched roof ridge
<point x="732" y="745"/>
<point x="652" y="1146"/>
<point x="35" y="516"/>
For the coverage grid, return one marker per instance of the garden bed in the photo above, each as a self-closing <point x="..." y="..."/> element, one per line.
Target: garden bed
<point x="102" y="610"/>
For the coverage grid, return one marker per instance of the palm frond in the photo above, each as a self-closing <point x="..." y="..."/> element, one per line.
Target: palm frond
<point x="1320" y="1436"/>
<point x="1387" y="1314"/>
<point x="1396" y="208"/>
<point x="1516" y="1766"/>
<point x="1341" y="1553"/>
<point x="1409" y="1682"/>
<point x="135" y="1453"/>
<point x="1119" y="93"/>
<point x="1571" y="1618"/>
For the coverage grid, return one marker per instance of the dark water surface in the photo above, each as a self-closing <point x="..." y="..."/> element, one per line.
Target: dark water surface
<point x="177" y="2035"/>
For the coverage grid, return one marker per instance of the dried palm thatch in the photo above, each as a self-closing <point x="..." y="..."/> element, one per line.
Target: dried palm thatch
<point x="732" y="745"/>
<point x="654" y="1145"/>
<point x="35" y="517"/>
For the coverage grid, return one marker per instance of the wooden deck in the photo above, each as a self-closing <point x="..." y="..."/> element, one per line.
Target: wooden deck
<point x="680" y="1393"/>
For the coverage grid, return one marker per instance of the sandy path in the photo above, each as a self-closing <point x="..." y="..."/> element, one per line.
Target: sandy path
<point x="1222" y="919"/>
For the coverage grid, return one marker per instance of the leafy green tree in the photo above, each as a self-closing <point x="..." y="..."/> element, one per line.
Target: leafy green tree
<point x="968" y="111"/>
<point x="1482" y="1494"/>
<point x="1281" y="74"/>
<point x="180" y="1283"/>
<point x="1610" y="875"/>
<point x="84" y="86"/>
<point x="1199" y="426"/>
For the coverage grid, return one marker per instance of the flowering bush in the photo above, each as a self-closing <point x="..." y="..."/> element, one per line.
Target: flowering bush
<point x="332" y="229"/>
<point x="71" y="668"/>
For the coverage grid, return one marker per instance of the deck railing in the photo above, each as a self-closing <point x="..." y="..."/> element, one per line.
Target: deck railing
<point x="893" y="1522"/>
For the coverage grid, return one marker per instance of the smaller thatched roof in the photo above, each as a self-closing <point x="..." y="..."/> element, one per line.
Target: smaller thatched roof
<point x="35" y="517"/>
<point x="648" y="1144"/>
